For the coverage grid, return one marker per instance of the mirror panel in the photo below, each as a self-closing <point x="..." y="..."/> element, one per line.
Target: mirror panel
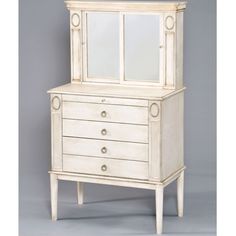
<point x="103" y="45"/>
<point x="142" y="42"/>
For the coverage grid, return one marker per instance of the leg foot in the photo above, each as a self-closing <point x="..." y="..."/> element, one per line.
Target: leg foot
<point x="180" y="194"/>
<point x="80" y="194"/>
<point x="54" y="193"/>
<point x="159" y="208"/>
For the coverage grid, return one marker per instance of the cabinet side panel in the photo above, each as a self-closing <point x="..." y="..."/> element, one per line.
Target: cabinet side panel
<point x="172" y="154"/>
<point x="56" y="132"/>
<point x="179" y="55"/>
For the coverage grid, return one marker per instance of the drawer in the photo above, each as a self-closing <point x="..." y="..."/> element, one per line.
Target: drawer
<point x="104" y="166"/>
<point x="105" y="130"/>
<point x="105" y="100"/>
<point x="103" y="112"/>
<point x="109" y="149"/>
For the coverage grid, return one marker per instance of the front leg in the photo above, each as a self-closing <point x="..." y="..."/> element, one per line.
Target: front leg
<point x="159" y="208"/>
<point x="54" y="193"/>
<point x="180" y="194"/>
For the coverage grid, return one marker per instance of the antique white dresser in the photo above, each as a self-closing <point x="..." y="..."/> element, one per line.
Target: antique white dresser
<point x="120" y="120"/>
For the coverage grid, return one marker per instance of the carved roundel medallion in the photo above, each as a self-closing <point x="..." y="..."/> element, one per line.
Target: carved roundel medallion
<point x="75" y="20"/>
<point x="56" y="103"/>
<point x="169" y="22"/>
<point x="154" y="110"/>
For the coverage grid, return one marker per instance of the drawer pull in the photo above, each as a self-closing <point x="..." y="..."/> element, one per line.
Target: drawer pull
<point x="103" y="114"/>
<point x="103" y="167"/>
<point x="104" y="150"/>
<point x="104" y="132"/>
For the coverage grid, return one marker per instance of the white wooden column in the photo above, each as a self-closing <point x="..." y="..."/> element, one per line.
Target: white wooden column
<point x="170" y="49"/>
<point x="155" y="172"/>
<point x="76" y="46"/>
<point x="56" y="132"/>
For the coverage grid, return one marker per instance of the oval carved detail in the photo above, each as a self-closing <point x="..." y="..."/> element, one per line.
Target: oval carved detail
<point x="154" y="110"/>
<point x="56" y="103"/>
<point x="75" y="20"/>
<point x="169" y="22"/>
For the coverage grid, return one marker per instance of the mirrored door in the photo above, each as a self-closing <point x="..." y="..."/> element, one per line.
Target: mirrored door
<point x="103" y="45"/>
<point x="142" y="42"/>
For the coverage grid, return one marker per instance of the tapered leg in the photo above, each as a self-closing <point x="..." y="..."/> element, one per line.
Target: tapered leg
<point x="54" y="193"/>
<point x="80" y="194"/>
<point x="180" y="194"/>
<point x="159" y="208"/>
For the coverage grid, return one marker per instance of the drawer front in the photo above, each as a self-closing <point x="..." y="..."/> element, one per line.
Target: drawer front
<point x="105" y="100"/>
<point x="106" y="167"/>
<point x="109" y="149"/>
<point x="104" y="130"/>
<point x="102" y="112"/>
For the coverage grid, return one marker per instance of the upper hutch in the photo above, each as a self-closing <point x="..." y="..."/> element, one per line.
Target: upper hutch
<point x="120" y="119"/>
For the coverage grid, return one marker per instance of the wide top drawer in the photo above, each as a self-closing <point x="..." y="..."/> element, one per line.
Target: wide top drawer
<point x="105" y="100"/>
<point x="105" y="112"/>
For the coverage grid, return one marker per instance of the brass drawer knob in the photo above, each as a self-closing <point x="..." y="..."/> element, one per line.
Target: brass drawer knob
<point x="104" y="150"/>
<point x="103" y="114"/>
<point x="104" y="132"/>
<point x="103" y="167"/>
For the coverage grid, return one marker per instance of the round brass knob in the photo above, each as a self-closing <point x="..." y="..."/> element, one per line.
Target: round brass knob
<point x="103" y="167"/>
<point x="103" y="114"/>
<point x="104" y="150"/>
<point x="104" y="132"/>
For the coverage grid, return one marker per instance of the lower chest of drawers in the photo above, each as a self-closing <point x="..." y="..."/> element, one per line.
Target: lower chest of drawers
<point x="112" y="137"/>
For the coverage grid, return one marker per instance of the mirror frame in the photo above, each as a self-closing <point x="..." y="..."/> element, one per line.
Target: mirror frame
<point x="121" y="65"/>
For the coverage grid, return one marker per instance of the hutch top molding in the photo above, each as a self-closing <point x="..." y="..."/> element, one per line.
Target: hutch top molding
<point x="149" y="6"/>
<point x="131" y="43"/>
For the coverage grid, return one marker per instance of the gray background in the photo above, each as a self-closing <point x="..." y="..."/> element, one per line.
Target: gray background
<point x="44" y="64"/>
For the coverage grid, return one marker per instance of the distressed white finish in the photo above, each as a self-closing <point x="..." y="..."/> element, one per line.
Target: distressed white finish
<point x="108" y="113"/>
<point x="105" y="130"/>
<point x="121" y="133"/>
<point x="112" y="167"/>
<point x="105" y="148"/>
